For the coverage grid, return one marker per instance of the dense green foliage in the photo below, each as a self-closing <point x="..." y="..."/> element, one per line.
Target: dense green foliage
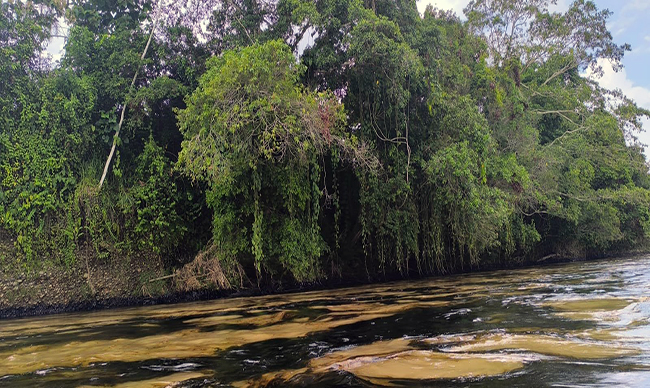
<point x="297" y="141"/>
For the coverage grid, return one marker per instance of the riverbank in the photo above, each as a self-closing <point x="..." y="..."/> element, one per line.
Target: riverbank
<point x="91" y="282"/>
<point x="96" y="284"/>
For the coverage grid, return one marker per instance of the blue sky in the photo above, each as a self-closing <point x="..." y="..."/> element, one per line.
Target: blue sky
<point x="630" y="23"/>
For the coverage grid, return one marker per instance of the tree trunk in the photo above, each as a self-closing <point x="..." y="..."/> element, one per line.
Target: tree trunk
<point x="135" y="76"/>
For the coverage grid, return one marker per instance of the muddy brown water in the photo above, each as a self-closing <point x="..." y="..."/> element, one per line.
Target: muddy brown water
<point x="574" y="325"/>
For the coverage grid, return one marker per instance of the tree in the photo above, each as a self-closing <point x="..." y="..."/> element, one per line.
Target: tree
<point x="25" y="28"/>
<point x="528" y="32"/>
<point x="258" y="139"/>
<point x="119" y="124"/>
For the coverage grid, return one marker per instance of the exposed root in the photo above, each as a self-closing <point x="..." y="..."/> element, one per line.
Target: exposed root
<point x="208" y="270"/>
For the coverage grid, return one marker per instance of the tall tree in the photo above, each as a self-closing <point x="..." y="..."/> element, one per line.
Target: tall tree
<point x="258" y="139"/>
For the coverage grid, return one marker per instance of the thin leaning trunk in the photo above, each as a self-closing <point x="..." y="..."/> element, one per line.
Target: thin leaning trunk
<point x="135" y="76"/>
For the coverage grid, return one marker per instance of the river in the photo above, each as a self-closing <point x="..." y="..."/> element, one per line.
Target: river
<point x="574" y="325"/>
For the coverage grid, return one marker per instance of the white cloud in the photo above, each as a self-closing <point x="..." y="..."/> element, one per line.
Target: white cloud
<point x="614" y="80"/>
<point x="55" y="48"/>
<point x="55" y="45"/>
<point x="628" y="16"/>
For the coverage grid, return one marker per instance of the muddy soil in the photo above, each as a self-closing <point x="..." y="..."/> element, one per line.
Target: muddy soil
<point x="90" y="282"/>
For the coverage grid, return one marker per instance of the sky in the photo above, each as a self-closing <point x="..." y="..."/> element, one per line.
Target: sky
<point x="630" y="23"/>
